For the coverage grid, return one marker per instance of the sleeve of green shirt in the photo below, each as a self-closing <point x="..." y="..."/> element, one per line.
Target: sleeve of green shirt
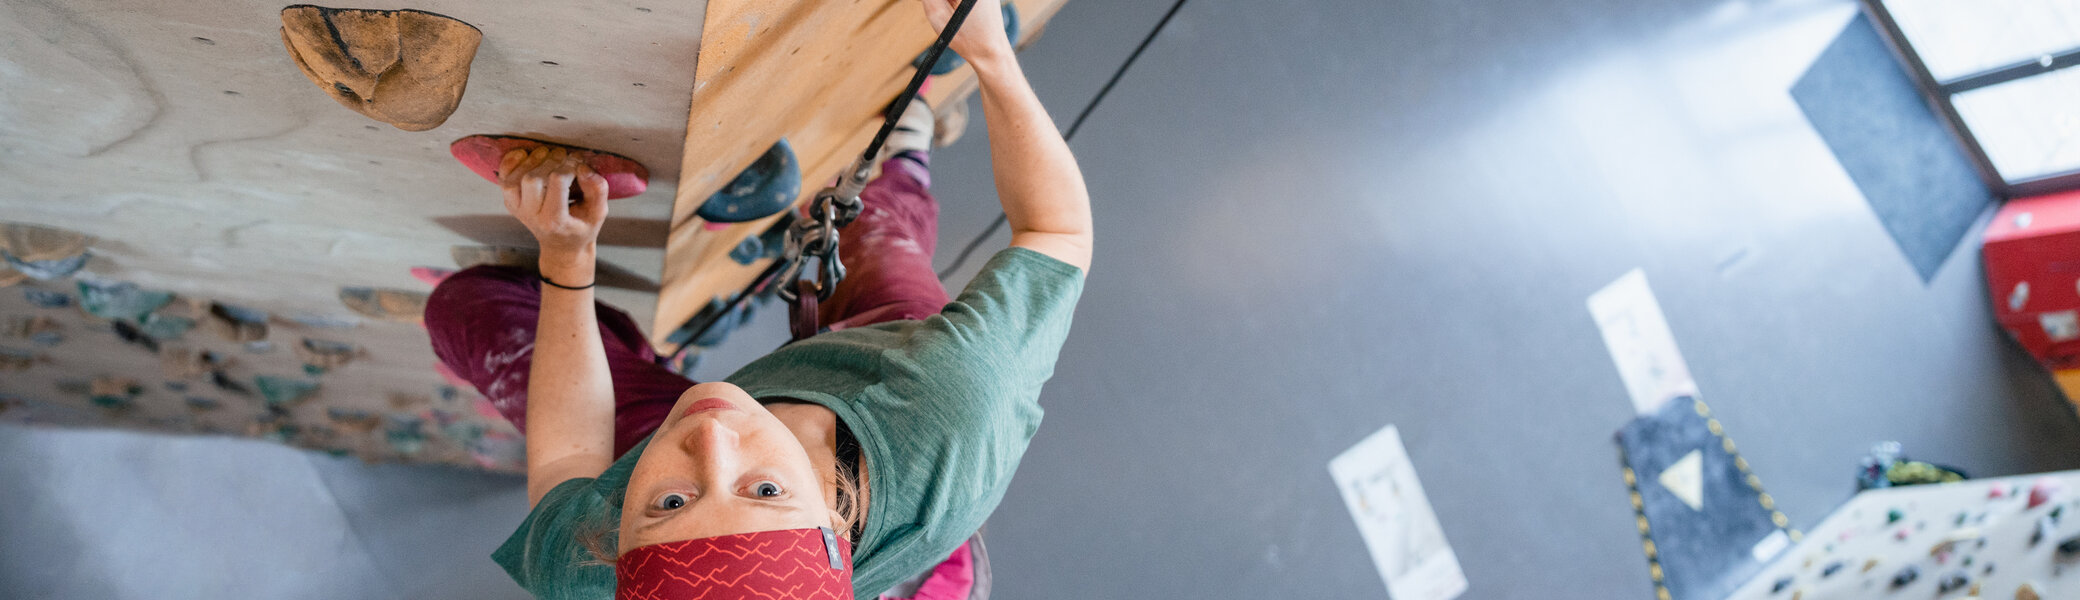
<point x="982" y="361"/>
<point x="544" y="555"/>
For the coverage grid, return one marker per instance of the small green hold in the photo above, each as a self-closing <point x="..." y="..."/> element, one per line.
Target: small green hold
<point x="120" y="300"/>
<point x="405" y="433"/>
<point x="313" y="370"/>
<point x="1893" y="516"/>
<point x="110" y="401"/>
<point x="283" y="391"/>
<point x="282" y="433"/>
<point x="164" y="327"/>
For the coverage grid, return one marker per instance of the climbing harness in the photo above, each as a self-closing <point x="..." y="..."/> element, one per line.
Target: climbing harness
<point x="816" y="236"/>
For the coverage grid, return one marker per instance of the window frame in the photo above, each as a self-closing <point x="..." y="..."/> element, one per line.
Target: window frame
<point x="1940" y="94"/>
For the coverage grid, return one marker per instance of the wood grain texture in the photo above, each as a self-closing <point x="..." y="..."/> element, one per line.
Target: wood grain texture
<point x="816" y="73"/>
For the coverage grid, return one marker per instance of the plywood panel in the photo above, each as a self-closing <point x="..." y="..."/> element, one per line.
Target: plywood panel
<point x="816" y="73"/>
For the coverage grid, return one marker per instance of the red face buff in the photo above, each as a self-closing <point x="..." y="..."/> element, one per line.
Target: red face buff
<point x="795" y="564"/>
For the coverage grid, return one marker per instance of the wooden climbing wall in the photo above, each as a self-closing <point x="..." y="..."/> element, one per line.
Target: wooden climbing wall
<point x="2013" y="537"/>
<point x="816" y="73"/>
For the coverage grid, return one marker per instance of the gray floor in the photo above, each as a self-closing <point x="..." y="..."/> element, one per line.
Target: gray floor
<point x="1316" y="219"/>
<point x="117" y="514"/>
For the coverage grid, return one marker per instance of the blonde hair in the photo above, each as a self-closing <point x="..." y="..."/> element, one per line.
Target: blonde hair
<point x="601" y="536"/>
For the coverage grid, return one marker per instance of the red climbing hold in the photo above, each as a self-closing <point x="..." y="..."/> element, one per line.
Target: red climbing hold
<point x="2042" y="492"/>
<point x="481" y="153"/>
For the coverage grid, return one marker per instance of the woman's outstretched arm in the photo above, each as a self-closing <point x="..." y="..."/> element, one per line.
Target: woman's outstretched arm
<point x="570" y="391"/>
<point x="1037" y="179"/>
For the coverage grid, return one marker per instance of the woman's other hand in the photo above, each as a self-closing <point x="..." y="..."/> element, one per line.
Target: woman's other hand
<point x="981" y="39"/>
<point x="537" y="188"/>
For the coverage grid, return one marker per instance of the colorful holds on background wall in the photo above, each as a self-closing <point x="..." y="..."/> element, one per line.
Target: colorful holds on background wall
<point x="41" y="253"/>
<point x="223" y="381"/>
<point x="41" y="330"/>
<point x="407" y="68"/>
<point x="324" y="321"/>
<point x="2044" y="490"/>
<point x="768" y="186"/>
<point x="237" y="323"/>
<point x="181" y="362"/>
<point x="353" y="420"/>
<point x="325" y="355"/>
<point x="120" y="300"/>
<point x="164" y="327"/>
<point x="283" y="391"/>
<point x="130" y="334"/>
<point x="114" y="392"/>
<point x="17" y="359"/>
<point x="384" y="304"/>
<point x="47" y="298"/>
<point x="46" y="270"/>
<point x="405" y="433"/>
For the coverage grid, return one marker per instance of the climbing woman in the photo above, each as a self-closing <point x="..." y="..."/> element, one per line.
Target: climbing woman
<point x="850" y="460"/>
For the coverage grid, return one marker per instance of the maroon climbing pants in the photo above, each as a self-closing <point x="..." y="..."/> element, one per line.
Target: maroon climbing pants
<point x="482" y="320"/>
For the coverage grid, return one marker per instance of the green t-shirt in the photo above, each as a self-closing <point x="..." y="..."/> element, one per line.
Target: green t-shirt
<point x="942" y="408"/>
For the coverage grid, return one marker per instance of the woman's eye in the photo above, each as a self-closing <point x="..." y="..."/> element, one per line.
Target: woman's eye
<point x="766" y="489"/>
<point x="671" y="501"/>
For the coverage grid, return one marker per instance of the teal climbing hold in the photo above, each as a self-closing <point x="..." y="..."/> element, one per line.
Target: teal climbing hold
<point x="46" y="298"/>
<point x="765" y="188"/>
<point x="120" y="300"/>
<point x="283" y="391"/>
<point x="404" y="433"/>
<point x="164" y="327"/>
<point x="46" y="270"/>
<point x="762" y="246"/>
<point x="950" y="61"/>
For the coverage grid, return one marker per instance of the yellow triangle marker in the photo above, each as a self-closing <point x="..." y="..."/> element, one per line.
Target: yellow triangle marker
<point x="1685" y="478"/>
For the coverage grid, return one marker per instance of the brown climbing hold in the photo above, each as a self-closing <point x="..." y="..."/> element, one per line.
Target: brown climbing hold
<point x="182" y="363"/>
<point x="2027" y="592"/>
<point x="30" y="328"/>
<point x="409" y="402"/>
<point x="34" y="243"/>
<point x="237" y="324"/>
<point x="19" y="360"/>
<point x="326" y="354"/>
<point x="407" y="67"/>
<point x="385" y="304"/>
<point x="37" y="252"/>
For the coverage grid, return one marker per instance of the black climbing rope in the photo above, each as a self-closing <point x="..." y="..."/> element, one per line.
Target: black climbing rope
<point x="962" y="258"/>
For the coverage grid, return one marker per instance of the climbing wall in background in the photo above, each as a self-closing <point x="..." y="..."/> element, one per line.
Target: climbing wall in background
<point x="2013" y="537"/>
<point x="252" y="241"/>
<point x="83" y="350"/>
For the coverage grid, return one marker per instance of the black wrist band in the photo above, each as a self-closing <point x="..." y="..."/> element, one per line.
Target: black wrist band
<point x="545" y="281"/>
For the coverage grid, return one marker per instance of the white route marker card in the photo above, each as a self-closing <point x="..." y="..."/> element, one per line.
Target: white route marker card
<point x="1640" y="343"/>
<point x="1394" y="516"/>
